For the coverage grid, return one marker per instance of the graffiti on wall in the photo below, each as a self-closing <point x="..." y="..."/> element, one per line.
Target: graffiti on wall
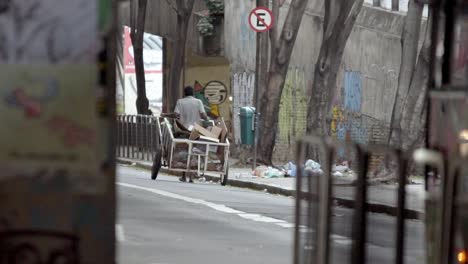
<point x="337" y="122"/>
<point x="353" y="91"/>
<point x="347" y="122"/>
<point x="293" y="107"/>
<point x="213" y="94"/>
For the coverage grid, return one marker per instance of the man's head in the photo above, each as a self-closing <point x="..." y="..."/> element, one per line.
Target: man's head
<point x="188" y="91"/>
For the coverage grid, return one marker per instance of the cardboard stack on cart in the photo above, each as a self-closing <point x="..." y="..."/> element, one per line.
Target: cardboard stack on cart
<point x="216" y="133"/>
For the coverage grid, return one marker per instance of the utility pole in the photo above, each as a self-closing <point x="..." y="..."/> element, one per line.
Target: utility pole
<point x="261" y="73"/>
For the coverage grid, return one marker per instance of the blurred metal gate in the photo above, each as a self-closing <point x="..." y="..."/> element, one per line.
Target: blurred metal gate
<point x="445" y="206"/>
<point x="314" y="201"/>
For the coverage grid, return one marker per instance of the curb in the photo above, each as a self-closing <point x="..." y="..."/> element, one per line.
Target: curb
<point x="410" y="214"/>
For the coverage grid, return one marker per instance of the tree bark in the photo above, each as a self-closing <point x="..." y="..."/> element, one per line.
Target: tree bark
<point x="395" y="5"/>
<point x="410" y="131"/>
<point x="269" y="107"/>
<point x="409" y="45"/>
<point x="137" y="34"/>
<point x="174" y="91"/>
<point x="339" y="20"/>
<point x="412" y="121"/>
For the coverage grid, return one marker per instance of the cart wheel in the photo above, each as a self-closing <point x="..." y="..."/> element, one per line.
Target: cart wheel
<point x="156" y="164"/>
<point x="224" y="178"/>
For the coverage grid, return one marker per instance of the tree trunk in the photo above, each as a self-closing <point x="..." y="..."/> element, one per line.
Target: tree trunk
<point x="174" y="91"/>
<point x="409" y="45"/>
<point x="339" y="20"/>
<point x="269" y="106"/>
<point x="395" y="5"/>
<point x="413" y="122"/>
<point x="410" y="131"/>
<point x="137" y="34"/>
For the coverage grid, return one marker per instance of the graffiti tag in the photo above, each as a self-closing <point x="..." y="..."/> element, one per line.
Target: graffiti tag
<point x="71" y="133"/>
<point x="32" y="105"/>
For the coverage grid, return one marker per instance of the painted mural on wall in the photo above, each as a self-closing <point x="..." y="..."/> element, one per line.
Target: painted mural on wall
<point x="348" y="123"/>
<point x="213" y="95"/>
<point x="293" y="107"/>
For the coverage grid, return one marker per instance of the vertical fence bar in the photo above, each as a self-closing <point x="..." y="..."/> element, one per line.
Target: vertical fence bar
<point x="297" y="241"/>
<point x="127" y="136"/>
<point x="360" y="211"/>
<point x="130" y="118"/>
<point x="119" y="136"/>
<point x="147" y="137"/>
<point x="138" y="136"/>
<point x="150" y="155"/>
<point x="117" y="150"/>
<point x="132" y="136"/>
<point x="400" y="234"/>
<point x="142" y="136"/>
<point x="448" y="209"/>
<point x="151" y="131"/>
<point x="325" y="212"/>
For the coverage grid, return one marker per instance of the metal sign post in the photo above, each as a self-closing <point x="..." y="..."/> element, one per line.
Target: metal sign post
<point x="260" y="20"/>
<point x="256" y="120"/>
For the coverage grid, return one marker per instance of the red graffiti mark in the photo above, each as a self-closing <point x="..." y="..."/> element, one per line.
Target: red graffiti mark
<point x="32" y="108"/>
<point x="73" y="134"/>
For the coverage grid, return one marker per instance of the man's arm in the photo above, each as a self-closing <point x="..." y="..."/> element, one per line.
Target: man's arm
<point x="170" y="115"/>
<point x="202" y="111"/>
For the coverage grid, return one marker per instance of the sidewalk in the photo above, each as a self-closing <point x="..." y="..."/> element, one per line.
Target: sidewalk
<point x="381" y="198"/>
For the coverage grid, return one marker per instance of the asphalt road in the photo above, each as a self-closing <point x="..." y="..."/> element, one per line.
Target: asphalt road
<point x="169" y="222"/>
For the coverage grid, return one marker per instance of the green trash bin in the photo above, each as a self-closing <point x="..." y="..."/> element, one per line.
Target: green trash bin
<point x="247" y="115"/>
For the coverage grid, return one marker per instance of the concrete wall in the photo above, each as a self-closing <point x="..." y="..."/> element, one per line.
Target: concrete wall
<point x="371" y="59"/>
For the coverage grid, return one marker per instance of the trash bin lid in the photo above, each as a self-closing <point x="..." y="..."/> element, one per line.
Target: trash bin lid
<point x="247" y="111"/>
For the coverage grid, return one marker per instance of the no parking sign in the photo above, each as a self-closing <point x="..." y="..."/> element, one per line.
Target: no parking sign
<point x="261" y="19"/>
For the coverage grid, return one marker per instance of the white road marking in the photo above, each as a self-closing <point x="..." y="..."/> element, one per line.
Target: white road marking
<point x="261" y="218"/>
<point x="217" y="207"/>
<point x="119" y="232"/>
<point x="228" y="210"/>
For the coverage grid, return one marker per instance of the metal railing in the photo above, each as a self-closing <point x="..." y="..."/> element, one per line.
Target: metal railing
<point x="138" y="137"/>
<point x="445" y="204"/>
<point x="314" y="201"/>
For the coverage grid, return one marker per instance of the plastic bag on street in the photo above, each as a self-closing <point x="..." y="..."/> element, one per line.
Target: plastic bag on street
<point x="260" y="171"/>
<point x="312" y="165"/>
<point x="291" y="169"/>
<point x="273" y="173"/>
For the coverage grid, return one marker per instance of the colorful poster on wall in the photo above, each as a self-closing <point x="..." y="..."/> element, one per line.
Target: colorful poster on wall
<point x="48" y="82"/>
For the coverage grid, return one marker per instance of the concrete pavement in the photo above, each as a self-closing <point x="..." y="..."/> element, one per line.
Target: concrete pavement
<point x="381" y="198"/>
<point x="166" y="221"/>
